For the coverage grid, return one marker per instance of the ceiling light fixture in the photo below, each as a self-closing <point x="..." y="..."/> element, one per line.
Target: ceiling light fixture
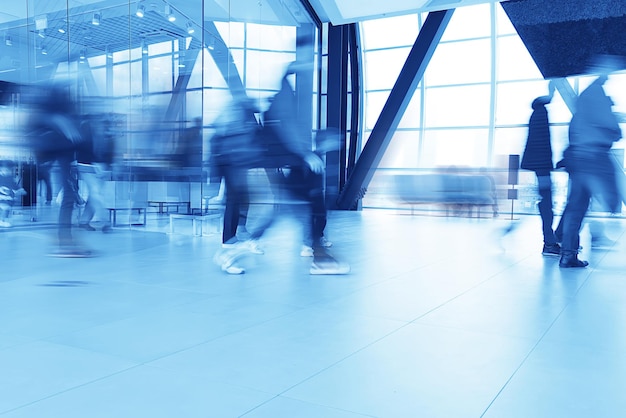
<point x="190" y="29"/>
<point x="95" y="20"/>
<point x="8" y="41"/>
<point x="144" y="48"/>
<point x="61" y="29"/>
<point x="141" y="10"/>
<point x="82" y="55"/>
<point x="44" y="51"/>
<point x="169" y="14"/>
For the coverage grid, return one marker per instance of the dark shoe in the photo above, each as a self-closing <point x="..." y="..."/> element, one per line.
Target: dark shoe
<point x="572" y="261"/>
<point x="551" y="250"/>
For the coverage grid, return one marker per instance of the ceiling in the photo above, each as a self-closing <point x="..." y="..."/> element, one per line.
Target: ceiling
<point x="340" y="12"/>
<point x="39" y="33"/>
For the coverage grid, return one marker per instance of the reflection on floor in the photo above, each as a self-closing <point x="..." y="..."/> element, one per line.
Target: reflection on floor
<point x="440" y="317"/>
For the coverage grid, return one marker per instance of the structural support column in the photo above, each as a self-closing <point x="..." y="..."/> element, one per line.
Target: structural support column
<point x="337" y="109"/>
<point x="401" y="93"/>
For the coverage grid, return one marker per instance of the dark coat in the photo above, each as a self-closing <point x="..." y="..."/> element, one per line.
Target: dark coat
<point x="538" y="152"/>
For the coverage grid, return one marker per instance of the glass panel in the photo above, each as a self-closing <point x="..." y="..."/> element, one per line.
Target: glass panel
<point x="457" y="106"/>
<point x="263" y="68"/>
<point x="473" y="57"/>
<point x="469" y="22"/>
<point x="383" y="67"/>
<point x="514" y="101"/>
<point x="277" y="38"/>
<point x="160" y="74"/>
<point x="412" y="116"/>
<point x="233" y="33"/>
<point x="503" y="23"/>
<point x="374" y="102"/>
<point x="384" y="33"/>
<point x="455" y="147"/>
<point x="514" y="61"/>
<point x="402" y="151"/>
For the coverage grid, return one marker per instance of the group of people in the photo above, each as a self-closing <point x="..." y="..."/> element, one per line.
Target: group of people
<point x="593" y="174"/>
<point x="276" y="142"/>
<point x="62" y="137"/>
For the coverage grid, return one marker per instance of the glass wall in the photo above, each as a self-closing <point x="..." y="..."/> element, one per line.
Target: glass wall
<point x="158" y="73"/>
<point x="471" y="109"/>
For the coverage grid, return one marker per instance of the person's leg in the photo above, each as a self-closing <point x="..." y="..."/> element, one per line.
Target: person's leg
<point x="237" y="200"/>
<point x="91" y="203"/>
<point x="545" y="208"/>
<point x="67" y="203"/>
<point x="574" y="213"/>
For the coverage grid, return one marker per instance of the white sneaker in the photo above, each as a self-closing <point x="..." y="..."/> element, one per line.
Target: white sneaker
<point x="250" y="245"/>
<point x="329" y="267"/>
<point x="233" y="269"/>
<point x="228" y="257"/>
<point x="325" y="243"/>
<point x="306" y="251"/>
<point x="5" y="224"/>
<point x="253" y="247"/>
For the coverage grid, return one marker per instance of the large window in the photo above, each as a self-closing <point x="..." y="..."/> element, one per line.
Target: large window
<point x="471" y="109"/>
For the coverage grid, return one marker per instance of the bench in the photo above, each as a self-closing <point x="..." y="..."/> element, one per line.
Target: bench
<point x="199" y="225"/>
<point x="456" y="192"/>
<point x="163" y="207"/>
<point x="113" y="214"/>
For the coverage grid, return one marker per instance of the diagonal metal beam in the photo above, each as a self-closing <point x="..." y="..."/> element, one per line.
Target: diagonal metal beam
<point x="567" y="93"/>
<point x="401" y="93"/>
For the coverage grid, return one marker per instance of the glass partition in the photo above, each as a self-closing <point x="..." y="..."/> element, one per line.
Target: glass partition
<point x="152" y="76"/>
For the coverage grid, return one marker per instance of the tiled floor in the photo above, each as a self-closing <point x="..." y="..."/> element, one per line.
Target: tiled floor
<point x="440" y="317"/>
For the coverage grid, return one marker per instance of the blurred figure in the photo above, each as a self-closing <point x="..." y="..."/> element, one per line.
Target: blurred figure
<point x="55" y="136"/>
<point x="190" y="146"/>
<point x="9" y="189"/>
<point x="94" y="155"/>
<point x="234" y="150"/>
<point x="537" y="157"/>
<point x="593" y="130"/>
<point x="294" y="167"/>
<point x="44" y="176"/>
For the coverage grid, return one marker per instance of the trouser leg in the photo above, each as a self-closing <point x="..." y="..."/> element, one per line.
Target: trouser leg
<point x="545" y="208"/>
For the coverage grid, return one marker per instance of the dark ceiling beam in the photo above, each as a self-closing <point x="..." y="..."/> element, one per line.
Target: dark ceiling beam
<point x="563" y="36"/>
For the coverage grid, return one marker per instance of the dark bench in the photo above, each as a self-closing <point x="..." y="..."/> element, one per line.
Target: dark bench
<point x="163" y="207"/>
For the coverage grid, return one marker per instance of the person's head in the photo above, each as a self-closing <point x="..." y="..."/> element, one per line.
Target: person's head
<point x="541" y="101"/>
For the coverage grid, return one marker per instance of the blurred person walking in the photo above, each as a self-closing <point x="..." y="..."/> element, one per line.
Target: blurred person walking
<point x="9" y="190"/>
<point x="235" y="150"/>
<point x="593" y="130"/>
<point x="55" y="135"/>
<point x="537" y="157"/>
<point x="294" y="167"/>
<point x="94" y="155"/>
